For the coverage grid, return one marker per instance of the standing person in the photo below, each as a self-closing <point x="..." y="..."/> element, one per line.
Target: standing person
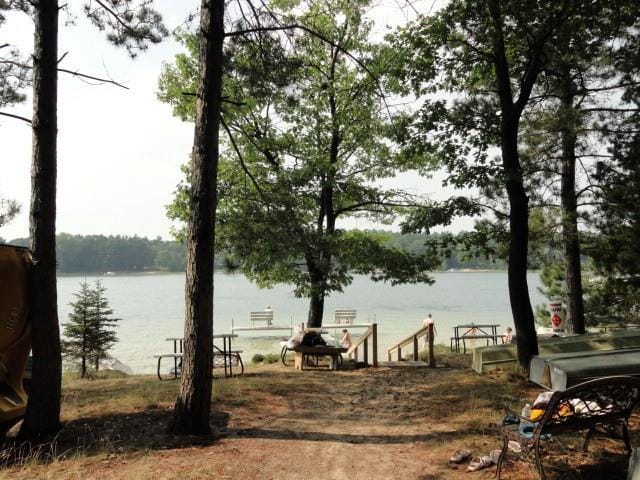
<point x="346" y="341"/>
<point x="425" y="323"/>
<point x="267" y="309"/>
<point x="508" y="336"/>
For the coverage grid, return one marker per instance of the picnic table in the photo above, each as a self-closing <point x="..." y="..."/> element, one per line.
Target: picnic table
<point x="228" y="356"/>
<point x="302" y="353"/>
<point x="471" y="331"/>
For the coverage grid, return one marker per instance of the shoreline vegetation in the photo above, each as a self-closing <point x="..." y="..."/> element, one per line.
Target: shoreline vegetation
<point x="385" y="422"/>
<point x="82" y="254"/>
<point x="221" y="270"/>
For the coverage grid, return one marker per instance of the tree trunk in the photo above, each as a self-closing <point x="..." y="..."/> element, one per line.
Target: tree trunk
<point x="570" y="237"/>
<point x="83" y="363"/>
<point x="42" y="417"/>
<point x="193" y="405"/>
<point x="523" y="319"/>
<point x="316" y="308"/>
<point x="521" y="310"/>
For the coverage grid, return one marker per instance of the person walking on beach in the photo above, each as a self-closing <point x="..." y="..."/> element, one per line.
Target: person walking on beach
<point x="425" y="323"/>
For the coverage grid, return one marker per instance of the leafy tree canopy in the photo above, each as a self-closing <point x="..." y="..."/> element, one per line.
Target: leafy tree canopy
<point x="305" y="148"/>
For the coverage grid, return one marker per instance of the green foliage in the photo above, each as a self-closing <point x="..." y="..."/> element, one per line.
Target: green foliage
<point x="8" y="210"/>
<point x="257" y="358"/>
<point x="616" y="283"/>
<point x="305" y="129"/>
<point x="269" y="358"/>
<point x="15" y="75"/>
<point x="89" y="333"/>
<point x="115" y="253"/>
<point x="129" y="24"/>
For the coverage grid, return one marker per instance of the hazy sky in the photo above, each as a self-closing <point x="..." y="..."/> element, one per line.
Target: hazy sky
<point x="119" y="151"/>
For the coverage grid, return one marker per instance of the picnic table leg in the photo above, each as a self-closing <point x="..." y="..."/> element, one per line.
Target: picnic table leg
<point x="159" y="377"/>
<point x="228" y="354"/>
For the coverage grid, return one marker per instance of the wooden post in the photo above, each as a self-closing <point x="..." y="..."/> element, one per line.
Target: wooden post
<point x="365" y="346"/>
<point x="374" y="332"/>
<point x="432" y="358"/>
<point x="399" y="352"/>
<point x="415" y="348"/>
<point x="355" y="355"/>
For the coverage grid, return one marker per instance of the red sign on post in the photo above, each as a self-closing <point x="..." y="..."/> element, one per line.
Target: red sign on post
<point x="556" y="314"/>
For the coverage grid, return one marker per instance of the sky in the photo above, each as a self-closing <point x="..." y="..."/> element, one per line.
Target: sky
<point x="119" y="151"/>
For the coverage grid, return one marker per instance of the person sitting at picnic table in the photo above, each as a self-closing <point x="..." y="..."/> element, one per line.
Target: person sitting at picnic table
<point x="508" y="336"/>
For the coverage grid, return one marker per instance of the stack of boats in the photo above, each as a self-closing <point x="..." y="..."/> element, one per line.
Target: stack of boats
<point x="566" y="361"/>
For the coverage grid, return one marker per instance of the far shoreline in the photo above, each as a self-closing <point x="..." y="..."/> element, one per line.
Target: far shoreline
<point x="144" y="273"/>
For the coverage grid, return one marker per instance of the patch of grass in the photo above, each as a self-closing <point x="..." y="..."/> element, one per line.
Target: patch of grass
<point x="89" y="398"/>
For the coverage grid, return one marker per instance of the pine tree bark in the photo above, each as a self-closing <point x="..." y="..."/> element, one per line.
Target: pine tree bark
<point x="523" y="319"/>
<point x="42" y="417"/>
<point x="193" y="405"/>
<point x="511" y="112"/>
<point x="569" y="203"/>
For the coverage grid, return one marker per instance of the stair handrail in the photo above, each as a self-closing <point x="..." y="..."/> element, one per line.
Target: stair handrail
<point x="363" y="340"/>
<point x="426" y="331"/>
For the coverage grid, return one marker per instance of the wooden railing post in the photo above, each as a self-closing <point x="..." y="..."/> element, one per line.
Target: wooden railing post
<point x="374" y="332"/>
<point x="365" y="352"/>
<point x="432" y="358"/>
<point x="415" y="347"/>
<point x="399" y="353"/>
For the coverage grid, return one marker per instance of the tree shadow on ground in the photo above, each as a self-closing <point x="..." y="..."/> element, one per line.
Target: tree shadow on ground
<point x="112" y="433"/>
<point x="349" y="438"/>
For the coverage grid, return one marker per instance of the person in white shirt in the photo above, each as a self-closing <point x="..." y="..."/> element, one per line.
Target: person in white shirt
<point x="425" y="323"/>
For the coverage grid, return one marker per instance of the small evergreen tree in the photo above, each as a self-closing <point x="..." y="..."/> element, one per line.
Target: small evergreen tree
<point x="104" y="336"/>
<point x="89" y="332"/>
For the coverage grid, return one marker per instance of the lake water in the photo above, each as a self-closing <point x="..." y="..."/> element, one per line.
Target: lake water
<point x="152" y="308"/>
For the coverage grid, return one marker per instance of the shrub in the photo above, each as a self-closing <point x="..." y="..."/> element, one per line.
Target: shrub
<point x="257" y="358"/>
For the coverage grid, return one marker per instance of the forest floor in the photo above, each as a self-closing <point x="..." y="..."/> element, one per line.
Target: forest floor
<point x="277" y="423"/>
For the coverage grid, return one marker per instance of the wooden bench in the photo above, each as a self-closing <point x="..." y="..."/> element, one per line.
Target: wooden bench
<point x="263" y="316"/>
<point x="303" y="352"/>
<point x="598" y="406"/>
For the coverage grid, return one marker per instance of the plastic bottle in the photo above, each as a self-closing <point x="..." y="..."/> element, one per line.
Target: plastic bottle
<point x="526" y="412"/>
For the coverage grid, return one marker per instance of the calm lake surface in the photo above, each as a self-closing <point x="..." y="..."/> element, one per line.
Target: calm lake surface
<point x="152" y="308"/>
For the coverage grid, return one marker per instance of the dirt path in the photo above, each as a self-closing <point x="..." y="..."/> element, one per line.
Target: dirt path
<point x="279" y="424"/>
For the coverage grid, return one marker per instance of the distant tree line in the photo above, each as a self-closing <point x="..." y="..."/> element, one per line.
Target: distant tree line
<point x="121" y="253"/>
<point x="115" y="253"/>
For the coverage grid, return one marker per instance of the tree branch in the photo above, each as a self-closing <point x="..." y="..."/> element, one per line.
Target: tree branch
<point x="90" y="77"/>
<point x="297" y="26"/>
<point x="70" y="72"/>
<point x="18" y="117"/>
<point x="241" y="158"/>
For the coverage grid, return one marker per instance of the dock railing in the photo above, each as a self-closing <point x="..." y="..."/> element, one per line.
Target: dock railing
<point x="362" y="345"/>
<point x="412" y="340"/>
